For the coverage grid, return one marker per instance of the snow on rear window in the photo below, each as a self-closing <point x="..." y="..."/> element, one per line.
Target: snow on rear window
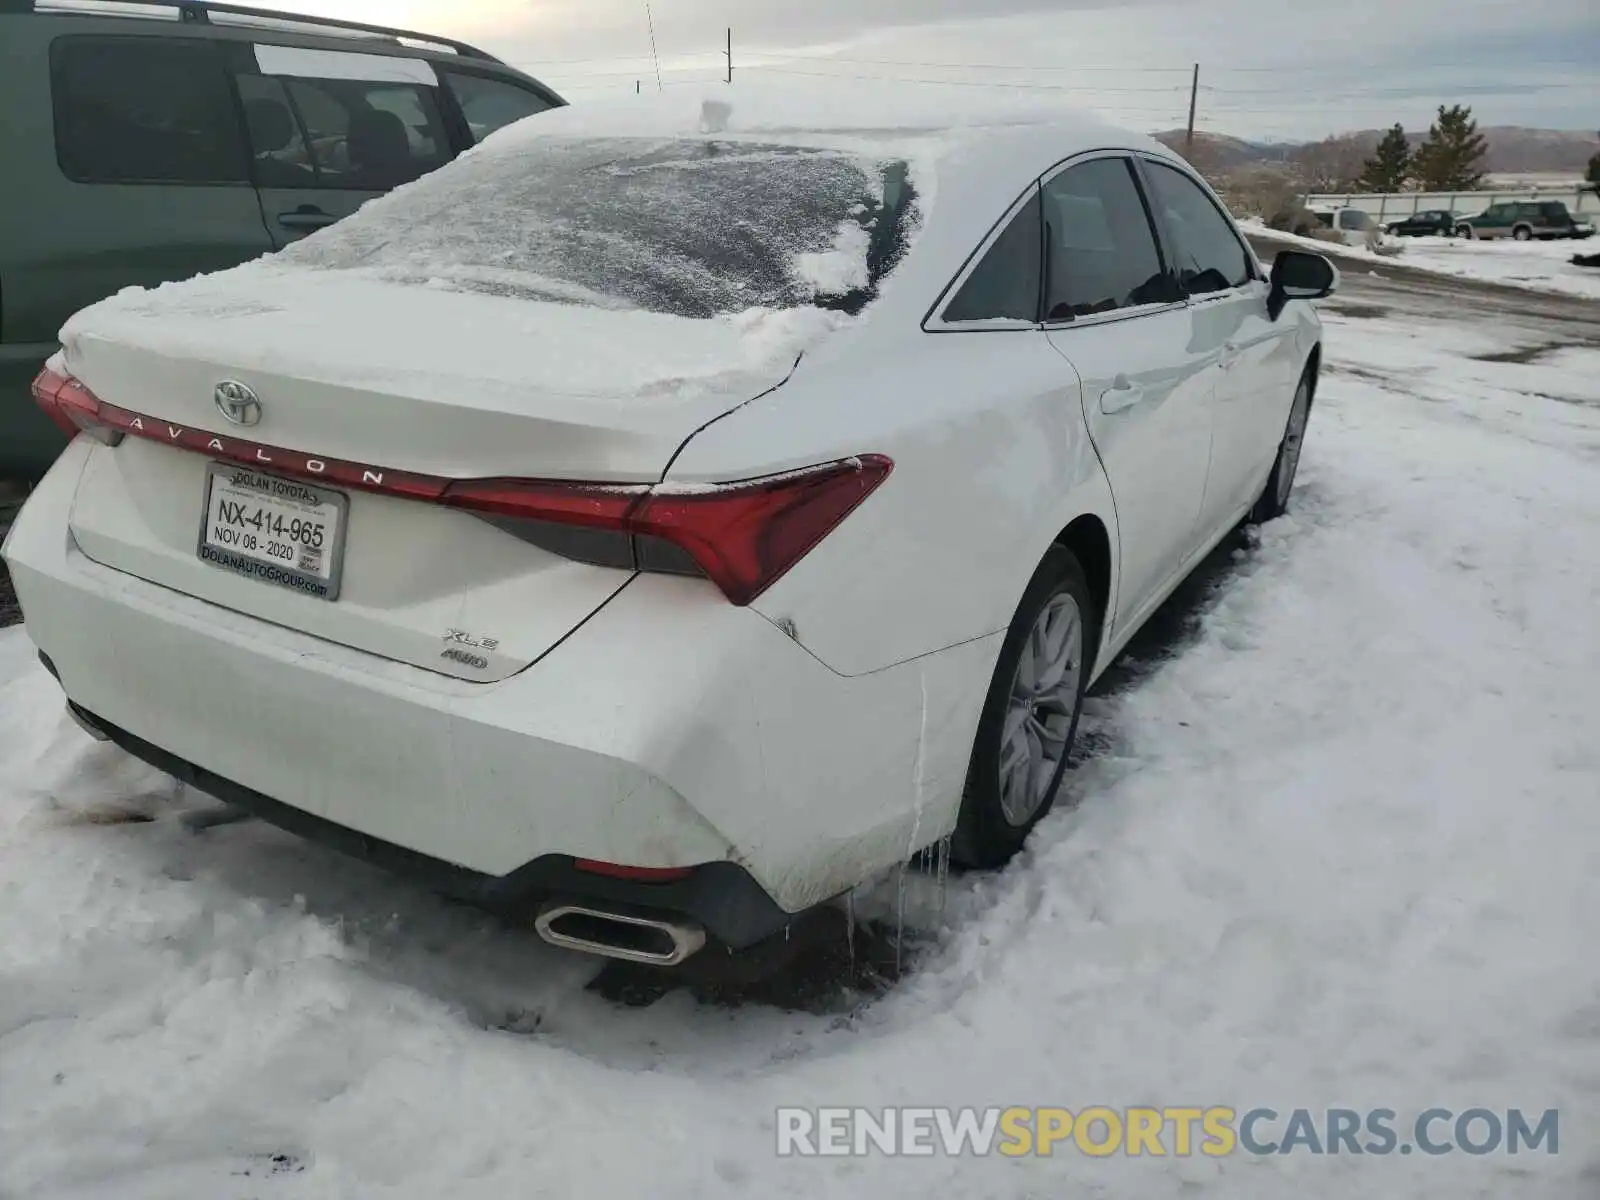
<point x="694" y="227"/>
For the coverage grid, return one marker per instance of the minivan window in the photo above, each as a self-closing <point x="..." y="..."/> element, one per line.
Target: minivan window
<point x="144" y="110"/>
<point x="1005" y="285"/>
<point x="1208" y="255"/>
<point x="279" y="154"/>
<point x="369" y="136"/>
<point x="491" y="104"/>
<point x="1100" y="251"/>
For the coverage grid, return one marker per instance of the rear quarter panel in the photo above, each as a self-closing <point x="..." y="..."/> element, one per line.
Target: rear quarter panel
<point x="991" y="462"/>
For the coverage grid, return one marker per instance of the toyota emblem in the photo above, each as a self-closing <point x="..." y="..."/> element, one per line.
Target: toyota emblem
<point x="237" y="402"/>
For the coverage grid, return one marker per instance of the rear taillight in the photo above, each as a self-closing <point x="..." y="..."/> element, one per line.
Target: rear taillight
<point x="742" y="536"/>
<point x="73" y="407"/>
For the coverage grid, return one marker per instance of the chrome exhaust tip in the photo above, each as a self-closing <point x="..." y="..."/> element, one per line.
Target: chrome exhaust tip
<point x="82" y="721"/>
<point x="653" y="941"/>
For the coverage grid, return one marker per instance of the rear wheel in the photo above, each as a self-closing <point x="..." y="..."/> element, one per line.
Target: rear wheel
<point x="1274" y="501"/>
<point x="1030" y="718"/>
<point x="1522" y="233"/>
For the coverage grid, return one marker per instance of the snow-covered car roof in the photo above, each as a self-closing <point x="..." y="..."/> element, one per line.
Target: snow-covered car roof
<point x="1001" y="138"/>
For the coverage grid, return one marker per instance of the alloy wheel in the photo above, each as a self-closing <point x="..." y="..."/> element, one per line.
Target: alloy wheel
<point x="1293" y="439"/>
<point x="1039" y="714"/>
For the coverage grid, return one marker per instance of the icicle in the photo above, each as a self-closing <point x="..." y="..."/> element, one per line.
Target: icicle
<point x="899" y="917"/>
<point x="850" y="928"/>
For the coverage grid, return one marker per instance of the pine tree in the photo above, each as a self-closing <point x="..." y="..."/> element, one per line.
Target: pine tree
<point x="1448" y="160"/>
<point x="1390" y="164"/>
<point x="1593" y="173"/>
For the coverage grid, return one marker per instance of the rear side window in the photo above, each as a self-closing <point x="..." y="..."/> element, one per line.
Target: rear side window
<point x="1005" y="285"/>
<point x="279" y="153"/>
<point x="491" y="104"/>
<point x="1100" y="252"/>
<point x="144" y="110"/>
<point x="1208" y="255"/>
<point x="368" y="136"/>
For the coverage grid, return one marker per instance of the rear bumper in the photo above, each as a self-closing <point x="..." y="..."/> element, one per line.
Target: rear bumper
<point x="721" y="896"/>
<point x="670" y="730"/>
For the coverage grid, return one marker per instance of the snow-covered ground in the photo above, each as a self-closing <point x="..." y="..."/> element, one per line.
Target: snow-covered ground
<point x="1535" y="266"/>
<point x="1341" y="849"/>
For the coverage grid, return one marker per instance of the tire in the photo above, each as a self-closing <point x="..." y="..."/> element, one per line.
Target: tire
<point x="1274" y="499"/>
<point x="1003" y="800"/>
<point x="1464" y="231"/>
<point x="1522" y="233"/>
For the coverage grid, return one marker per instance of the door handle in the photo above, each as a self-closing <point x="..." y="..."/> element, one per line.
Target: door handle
<point x="1120" y="395"/>
<point x="306" y="217"/>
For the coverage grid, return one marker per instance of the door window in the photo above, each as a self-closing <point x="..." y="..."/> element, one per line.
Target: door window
<point x="491" y="104"/>
<point x="1100" y="250"/>
<point x="1206" y="251"/>
<point x="368" y="136"/>
<point x="144" y="110"/>
<point x="1005" y="285"/>
<point x="280" y="156"/>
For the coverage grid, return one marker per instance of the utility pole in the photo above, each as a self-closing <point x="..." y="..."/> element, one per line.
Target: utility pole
<point x="1194" y="93"/>
<point x="729" y="53"/>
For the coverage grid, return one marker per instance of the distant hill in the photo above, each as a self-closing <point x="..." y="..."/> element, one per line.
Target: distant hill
<point x="1223" y="153"/>
<point x="1513" y="149"/>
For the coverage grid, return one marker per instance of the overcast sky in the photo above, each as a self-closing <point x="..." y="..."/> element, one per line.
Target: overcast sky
<point x="1268" y="68"/>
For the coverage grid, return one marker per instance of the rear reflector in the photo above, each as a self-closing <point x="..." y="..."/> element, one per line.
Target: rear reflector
<point x="743" y="536"/>
<point x="636" y="874"/>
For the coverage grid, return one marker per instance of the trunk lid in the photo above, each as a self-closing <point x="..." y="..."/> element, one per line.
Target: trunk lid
<point x="402" y="378"/>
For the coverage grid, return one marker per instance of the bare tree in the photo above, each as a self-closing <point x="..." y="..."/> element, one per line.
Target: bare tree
<point x="1334" y="164"/>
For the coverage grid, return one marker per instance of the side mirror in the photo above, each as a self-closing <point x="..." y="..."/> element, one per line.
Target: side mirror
<point x="1299" y="275"/>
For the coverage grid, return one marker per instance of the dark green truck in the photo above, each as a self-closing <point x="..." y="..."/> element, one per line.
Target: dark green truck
<point x="156" y="141"/>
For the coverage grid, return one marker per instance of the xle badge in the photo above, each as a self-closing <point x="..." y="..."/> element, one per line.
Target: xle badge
<point x="459" y="645"/>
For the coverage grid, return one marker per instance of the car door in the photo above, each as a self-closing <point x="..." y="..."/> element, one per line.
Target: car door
<point x="1228" y="317"/>
<point x="330" y="131"/>
<point x="126" y="166"/>
<point x="1113" y="311"/>
<point x="153" y="183"/>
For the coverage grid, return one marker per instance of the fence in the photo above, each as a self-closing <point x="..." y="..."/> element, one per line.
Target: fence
<point x="1397" y="205"/>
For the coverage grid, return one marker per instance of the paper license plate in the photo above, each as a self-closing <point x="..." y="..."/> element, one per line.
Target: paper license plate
<point x="277" y="530"/>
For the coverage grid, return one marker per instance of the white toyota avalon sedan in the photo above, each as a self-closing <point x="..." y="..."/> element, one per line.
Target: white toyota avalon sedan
<point x="668" y="516"/>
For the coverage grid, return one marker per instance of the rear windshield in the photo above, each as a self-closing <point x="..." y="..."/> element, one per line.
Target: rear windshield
<point x="698" y="228"/>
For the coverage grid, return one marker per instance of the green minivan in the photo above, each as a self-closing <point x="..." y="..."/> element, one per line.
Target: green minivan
<point x="149" y="142"/>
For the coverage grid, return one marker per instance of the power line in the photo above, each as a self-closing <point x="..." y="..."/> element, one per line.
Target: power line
<point x="1298" y="70"/>
<point x="978" y="83"/>
<point x="653" y="54"/>
<point x="624" y="74"/>
<point x="901" y="62"/>
<point x="1402" y="93"/>
<point x="666" y="83"/>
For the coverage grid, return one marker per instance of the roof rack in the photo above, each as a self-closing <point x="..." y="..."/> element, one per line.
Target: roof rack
<point x="200" y="12"/>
